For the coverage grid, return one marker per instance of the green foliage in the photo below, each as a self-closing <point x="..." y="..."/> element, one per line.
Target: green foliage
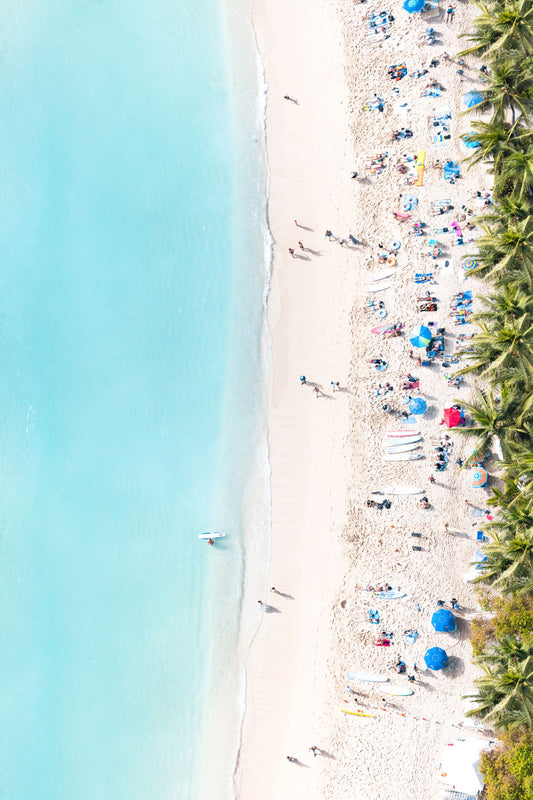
<point x="507" y="769"/>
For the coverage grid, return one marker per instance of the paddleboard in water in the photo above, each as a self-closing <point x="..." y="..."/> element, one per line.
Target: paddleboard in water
<point x="401" y="490"/>
<point x="399" y="691"/>
<point x="401" y="434"/>
<point x="214" y="535"/>
<point x="378" y="287"/>
<point x="397" y="441"/>
<point x="366" y="676"/>
<point x="402" y="448"/>
<point x="356" y="713"/>
<point x="391" y="594"/>
<point x="402" y="456"/>
<point x="381" y="276"/>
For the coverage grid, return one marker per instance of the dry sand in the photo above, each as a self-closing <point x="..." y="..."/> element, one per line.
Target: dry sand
<point x="326" y="451"/>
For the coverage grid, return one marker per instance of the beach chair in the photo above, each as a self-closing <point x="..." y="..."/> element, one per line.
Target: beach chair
<point x="451" y="170"/>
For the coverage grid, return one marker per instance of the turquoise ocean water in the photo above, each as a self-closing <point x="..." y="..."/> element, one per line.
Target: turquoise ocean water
<point x="132" y="285"/>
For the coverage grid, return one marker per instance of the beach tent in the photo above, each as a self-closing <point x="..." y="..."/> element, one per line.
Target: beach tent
<point x="436" y="658"/>
<point x="459" y="769"/>
<point x="472" y="98"/>
<point x="443" y="620"/>
<point x="412" y="6"/>
<point x="417" y="405"/>
<point x="478" y="477"/>
<point x="452" y="417"/>
<point x="420" y="336"/>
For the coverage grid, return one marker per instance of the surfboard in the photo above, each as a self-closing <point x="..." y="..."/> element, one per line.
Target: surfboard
<point x="391" y="594"/>
<point x="356" y="713"/>
<point x="214" y="535"/>
<point x="401" y="434"/>
<point x="366" y="676"/>
<point x="379" y="287"/>
<point x="402" y="456"/>
<point x="402" y="490"/>
<point x="398" y="691"/>
<point x="403" y="448"/>
<point x="398" y="441"/>
<point x="381" y="276"/>
<point x="383" y="328"/>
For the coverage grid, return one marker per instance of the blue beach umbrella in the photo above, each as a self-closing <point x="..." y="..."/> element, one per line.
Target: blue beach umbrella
<point x="417" y="405"/>
<point x="420" y="336"/>
<point x="472" y="99"/>
<point x="412" y="6"/>
<point x="469" y="142"/>
<point x="436" y="658"/>
<point x="443" y="620"/>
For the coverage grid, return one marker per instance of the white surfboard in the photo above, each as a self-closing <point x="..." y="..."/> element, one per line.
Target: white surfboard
<point x="403" y="448"/>
<point x="390" y="594"/>
<point x="402" y="456"/>
<point x="402" y="490"/>
<point x="398" y="691"/>
<point x="401" y="434"/>
<point x="379" y="287"/>
<point x="366" y="676"/>
<point x="397" y="441"/>
<point x="381" y="276"/>
<point x="213" y="535"/>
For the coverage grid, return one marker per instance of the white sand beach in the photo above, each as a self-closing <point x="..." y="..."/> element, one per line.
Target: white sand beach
<point x="327" y="450"/>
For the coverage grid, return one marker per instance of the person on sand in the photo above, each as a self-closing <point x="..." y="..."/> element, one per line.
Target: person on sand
<point x="315" y="750"/>
<point x="424" y="502"/>
<point x="431" y="479"/>
<point x="303" y="380"/>
<point x="317" y="392"/>
<point x="292" y="759"/>
<point x="262" y="604"/>
<point x="449" y="14"/>
<point x="300" y="245"/>
<point x="328" y="234"/>
<point x="291" y="251"/>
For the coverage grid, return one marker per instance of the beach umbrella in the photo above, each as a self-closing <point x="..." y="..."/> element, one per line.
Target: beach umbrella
<point x="436" y="658"/>
<point x="420" y="336"/>
<point x="417" y="405"/>
<point x="443" y="620"/>
<point x="472" y="99"/>
<point x="412" y="6"/>
<point x="471" y="143"/>
<point x="469" y="263"/>
<point x="478" y="477"/>
<point x="452" y="417"/>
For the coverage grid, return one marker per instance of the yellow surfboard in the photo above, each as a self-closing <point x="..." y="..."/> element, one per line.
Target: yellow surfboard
<point x="355" y="713"/>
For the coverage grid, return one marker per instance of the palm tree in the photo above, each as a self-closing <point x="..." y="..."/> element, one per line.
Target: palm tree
<point x="506" y="28"/>
<point x="505" y="345"/>
<point x="509" y="88"/>
<point x="496" y="140"/>
<point x="506" y="210"/>
<point x="508" y="558"/>
<point x="511" y="303"/>
<point x="505" y="691"/>
<point x="505" y="251"/>
<point x="493" y="416"/>
<point x="516" y="174"/>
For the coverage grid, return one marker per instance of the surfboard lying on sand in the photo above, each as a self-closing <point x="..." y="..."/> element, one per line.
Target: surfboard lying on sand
<point x="402" y="434"/>
<point x="402" y="448"/>
<point x="378" y="287"/>
<point x="366" y="676"/>
<point x="214" y="535"/>
<point x="381" y="276"/>
<point x="397" y="441"/>
<point x="401" y="490"/>
<point x="383" y="328"/>
<point x="402" y="456"/>
<point x="398" y="691"/>
<point x="356" y="713"/>
<point x="391" y="594"/>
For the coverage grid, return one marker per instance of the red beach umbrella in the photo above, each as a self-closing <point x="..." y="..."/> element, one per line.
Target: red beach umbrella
<point x="452" y="417"/>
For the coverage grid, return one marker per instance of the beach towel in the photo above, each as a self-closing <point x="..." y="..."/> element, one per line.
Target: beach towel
<point x="411" y="637"/>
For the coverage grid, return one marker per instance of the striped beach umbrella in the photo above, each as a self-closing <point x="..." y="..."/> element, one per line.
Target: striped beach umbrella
<point x="478" y="477"/>
<point x="470" y="263"/>
<point x="420" y="336"/>
<point x="417" y="405"/>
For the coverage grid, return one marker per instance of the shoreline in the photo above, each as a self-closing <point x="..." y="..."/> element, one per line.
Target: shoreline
<point x="308" y="305"/>
<point x="325" y="452"/>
